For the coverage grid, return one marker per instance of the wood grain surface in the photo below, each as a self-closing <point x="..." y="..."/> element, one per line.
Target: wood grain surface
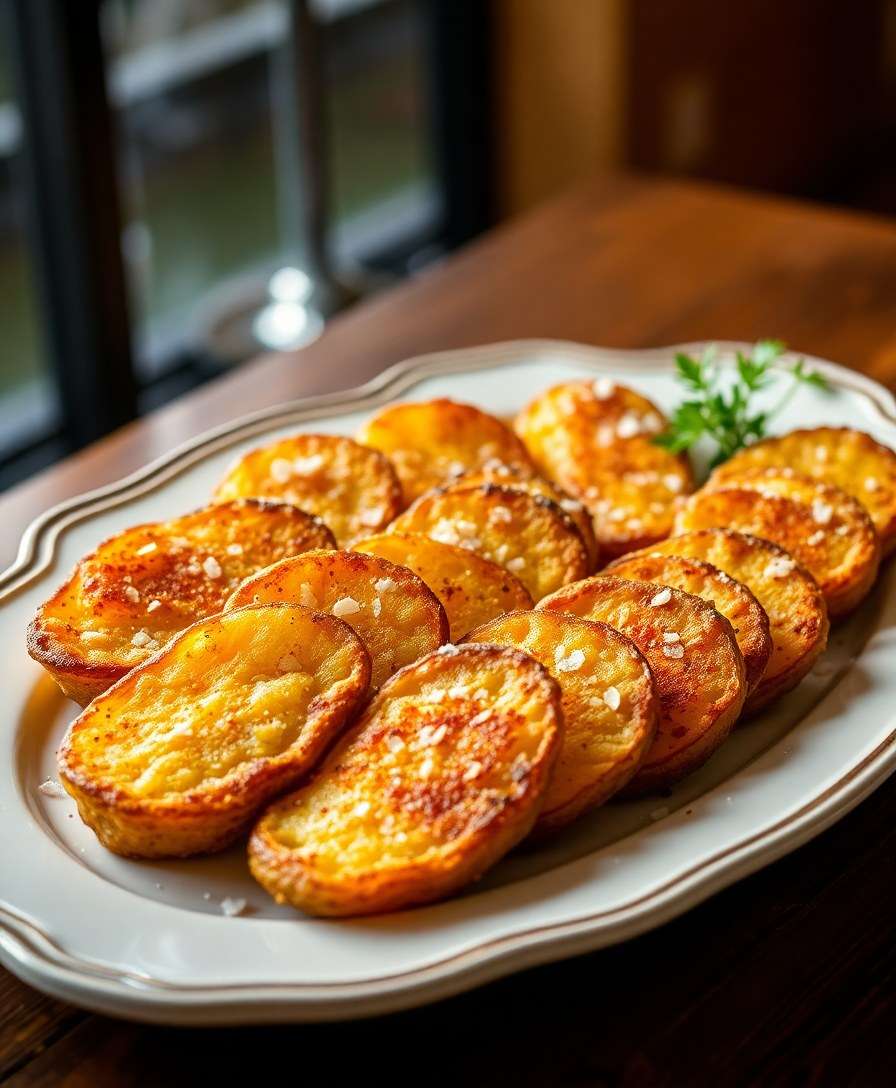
<point x="785" y="978"/>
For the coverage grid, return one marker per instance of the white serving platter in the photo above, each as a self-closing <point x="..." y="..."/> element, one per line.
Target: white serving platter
<point x="149" y="940"/>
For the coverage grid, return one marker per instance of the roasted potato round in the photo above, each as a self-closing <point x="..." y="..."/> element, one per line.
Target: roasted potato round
<point x="395" y="612"/>
<point x="471" y="589"/>
<point x="527" y="534"/>
<point x="851" y="460"/>
<point x="140" y="587"/>
<point x="610" y="705"/>
<point x="352" y="487"/>
<point x="432" y="441"/>
<point x="510" y="476"/>
<point x="444" y="772"/>
<point x="797" y="614"/>
<point x="825" y="529"/>
<point x="595" y="439"/>
<point x="696" y="663"/>
<point x="178" y="756"/>
<point x="728" y="596"/>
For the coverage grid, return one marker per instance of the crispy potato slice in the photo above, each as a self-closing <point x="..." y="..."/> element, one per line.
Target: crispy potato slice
<point x="395" y="612"/>
<point x="610" y="705"/>
<point x="696" y="663"/>
<point x="472" y="589"/>
<point x="825" y="529"/>
<point x="444" y="772"/>
<point x="797" y="614"/>
<point x="851" y="460"/>
<point x="736" y="603"/>
<point x="527" y="534"/>
<point x="142" y="586"/>
<point x="595" y="439"/>
<point x="180" y="754"/>
<point x="432" y="441"/>
<point x="510" y="476"/>
<point x="352" y="487"/>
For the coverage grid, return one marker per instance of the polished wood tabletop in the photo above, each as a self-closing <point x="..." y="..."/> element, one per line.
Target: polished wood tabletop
<point x="787" y="977"/>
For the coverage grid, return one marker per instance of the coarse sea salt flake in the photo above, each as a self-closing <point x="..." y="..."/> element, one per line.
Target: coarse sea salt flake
<point x="394" y="743"/>
<point x="474" y="768"/>
<point x="673" y="483"/>
<point x="91" y="636"/>
<point x="822" y="512"/>
<point x="132" y="593"/>
<point x="280" y="470"/>
<point x="516" y="565"/>
<point x="871" y="483"/>
<point x="671" y="636"/>
<point x="603" y="388"/>
<point x="345" y="606"/>
<point x="212" y="567"/>
<point x="674" y="649"/>
<point x="153" y="605"/>
<point x="663" y="597"/>
<point x="376" y="607"/>
<point x="779" y="567"/>
<point x="305" y="466"/>
<point x="232" y="907"/>
<point x="571" y="663"/>
<point x="147" y="548"/>
<point x="372" y="516"/>
<point x="361" y="808"/>
<point x="288" y="663"/>
<point x="142" y="638"/>
<point x="383" y="585"/>
<point x="306" y="596"/>
<point x="482" y="716"/>
<point x="234" y="549"/>
<point x="501" y="514"/>
<point x="52" y="788"/>
<point x="612" y="698"/>
<point x="815" y="538"/>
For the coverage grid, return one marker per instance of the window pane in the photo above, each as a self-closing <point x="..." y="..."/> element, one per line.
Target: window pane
<point x="28" y="407"/>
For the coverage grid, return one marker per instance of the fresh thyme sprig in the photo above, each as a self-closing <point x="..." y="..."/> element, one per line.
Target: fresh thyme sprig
<point x="729" y="418"/>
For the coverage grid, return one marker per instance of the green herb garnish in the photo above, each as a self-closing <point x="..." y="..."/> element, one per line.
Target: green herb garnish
<point x="729" y="418"/>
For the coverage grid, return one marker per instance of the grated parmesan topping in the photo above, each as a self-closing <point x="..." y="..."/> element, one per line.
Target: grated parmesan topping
<point x="234" y="549"/>
<point x="673" y="482"/>
<point x="516" y="565"/>
<point x="663" y="597"/>
<point x="501" y="514"/>
<point x="394" y="743"/>
<point x="472" y="770"/>
<point x="143" y="638"/>
<point x="91" y="636"/>
<point x="480" y="693"/>
<point x="603" y="388"/>
<point x="147" y="548"/>
<point x="482" y="716"/>
<point x="815" y="538"/>
<point x="361" y="808"/>
<point x="132" y="593"/>
<point x="426" y="767"/>
<point x="376" y="607"/>
<point x="345" y="606"/>
<point x="153" y="605"/>
<point x="305" y="466"/>
<point x="671" y="636"/>
<point x="674" y="649"/>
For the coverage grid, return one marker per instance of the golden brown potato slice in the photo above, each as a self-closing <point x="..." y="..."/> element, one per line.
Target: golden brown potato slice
<point x="471" y="589"/>
<point x="736" y="603"/>
<point x="595" y="439"/>
<point x="444" y="772"/>
<point x="798" y="618"/>
<point x="432" y="441"/>
<point x="353" y="488"/>
<point x="821" y="526"/>
<point x="527" y="534"/>
<point x="180" y="754"/>
<point x="140" y="587"/>
<point x="395" y="612"/>
<point x="610" y="705"/>
<point x="696" y="663"/>
<point x="509" y="476"/>
<point x="851" y="460"/>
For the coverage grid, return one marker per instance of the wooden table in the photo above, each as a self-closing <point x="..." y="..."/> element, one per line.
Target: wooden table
<point x="786" y="978"/>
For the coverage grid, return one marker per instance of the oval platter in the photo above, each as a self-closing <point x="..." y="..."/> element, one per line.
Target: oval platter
<point x="149" y="940"/>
